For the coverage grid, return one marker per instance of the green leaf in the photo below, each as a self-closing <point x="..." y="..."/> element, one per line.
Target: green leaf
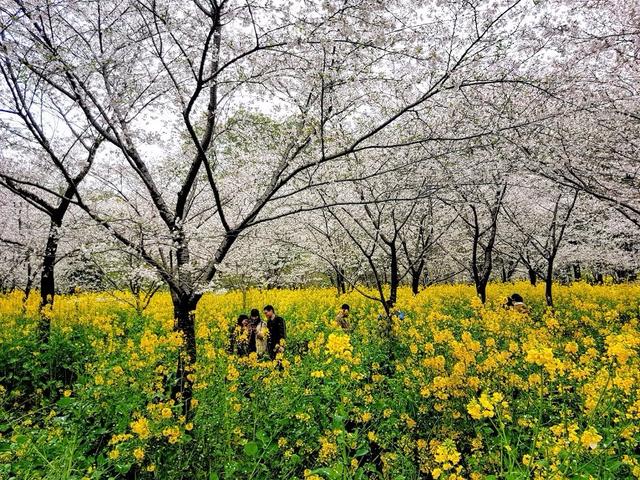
<point x="64" y="402"/>
<point x="213" y="476"/>
<point x="123" y="467"/>
<point x="362" y="451"/>
<point x="251" y="449"/>
<point x="262" y="436"/>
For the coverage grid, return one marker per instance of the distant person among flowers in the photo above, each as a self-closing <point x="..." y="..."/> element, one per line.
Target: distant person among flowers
<point x="385" y="321"/>
<point x="516" y="302"/>
<point x="342" y="318"/>
<point x="277" y="332"/>
<point x="393" y="311"/>
<point x="259" y="337"/>
<point x="239" y="337"/>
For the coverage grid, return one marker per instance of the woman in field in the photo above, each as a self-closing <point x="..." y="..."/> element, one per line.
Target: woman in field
<point x="259" y="334"/>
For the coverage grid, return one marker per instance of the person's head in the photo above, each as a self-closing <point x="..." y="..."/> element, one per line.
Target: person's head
<point x="269" y="312"/>
<point x="516" y="298"/>
<point x="243" y="320"/>
<point x="255" y="313"/>
<point x="345" y="309"/>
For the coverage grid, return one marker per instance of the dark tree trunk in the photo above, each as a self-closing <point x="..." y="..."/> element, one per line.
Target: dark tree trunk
<point x="47" y="280"/>
<point x="29" y="284"/>
<point x="340" y="281"/>
<point x="416" y="277"/>
<point x="395" y="279"/>
<point x="505" y="277"/>
<point x="548" y="281"/>
<point x="577" y="272"/>
<point x="533" y="277"/>
<point x="481" y="290"/>
<point x="184" y="309"/>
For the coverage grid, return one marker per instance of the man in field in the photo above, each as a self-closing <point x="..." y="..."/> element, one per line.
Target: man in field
<point x="277" y="332"/>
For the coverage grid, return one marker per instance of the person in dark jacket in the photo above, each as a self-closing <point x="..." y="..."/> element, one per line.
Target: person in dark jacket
<point x="277" y="332"/>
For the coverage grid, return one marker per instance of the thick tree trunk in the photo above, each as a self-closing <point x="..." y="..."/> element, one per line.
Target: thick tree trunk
<point x="47" y="281"/>
<point x="416" y="277"/>
<point x="533" y="278"/>
<point x="481" y="290"/>
<point x="184" y="309"/>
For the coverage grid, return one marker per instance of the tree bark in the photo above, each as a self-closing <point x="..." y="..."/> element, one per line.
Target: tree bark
<point x="577" y="272"/>
<point x="533" y="277"/>
<point x="184" y="310"/>
<point x="395" y="278"/>
<point x="416" y="277"/>
<point x="47" y="280"/>
<point x="481" y="290"/>
<point x="548" y="289"/>
<point x="340" y="281"/>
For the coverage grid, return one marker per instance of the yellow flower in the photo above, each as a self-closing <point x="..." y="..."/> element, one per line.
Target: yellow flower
<point x="138" y="453"/>
<point x="590" y="438"/>
<point x="328" y="450"/>
<point x="67" y="393"/>
<point x="166" y="412"/>
<point x="141" y="428"/>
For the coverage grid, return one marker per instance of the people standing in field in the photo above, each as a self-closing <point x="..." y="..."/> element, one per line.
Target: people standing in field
<point x="259" y="337"/>
<point x="342" y="318"/>
<point x="277" y="332"/>
<point x="516" y="302"/>
<point x="240" y="337"/>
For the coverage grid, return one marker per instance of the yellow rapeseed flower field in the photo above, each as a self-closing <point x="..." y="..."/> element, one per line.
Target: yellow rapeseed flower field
<point x="452" y="389"/>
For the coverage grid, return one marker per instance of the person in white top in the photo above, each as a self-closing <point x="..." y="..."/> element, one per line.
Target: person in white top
<point x="259" y="334"/>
